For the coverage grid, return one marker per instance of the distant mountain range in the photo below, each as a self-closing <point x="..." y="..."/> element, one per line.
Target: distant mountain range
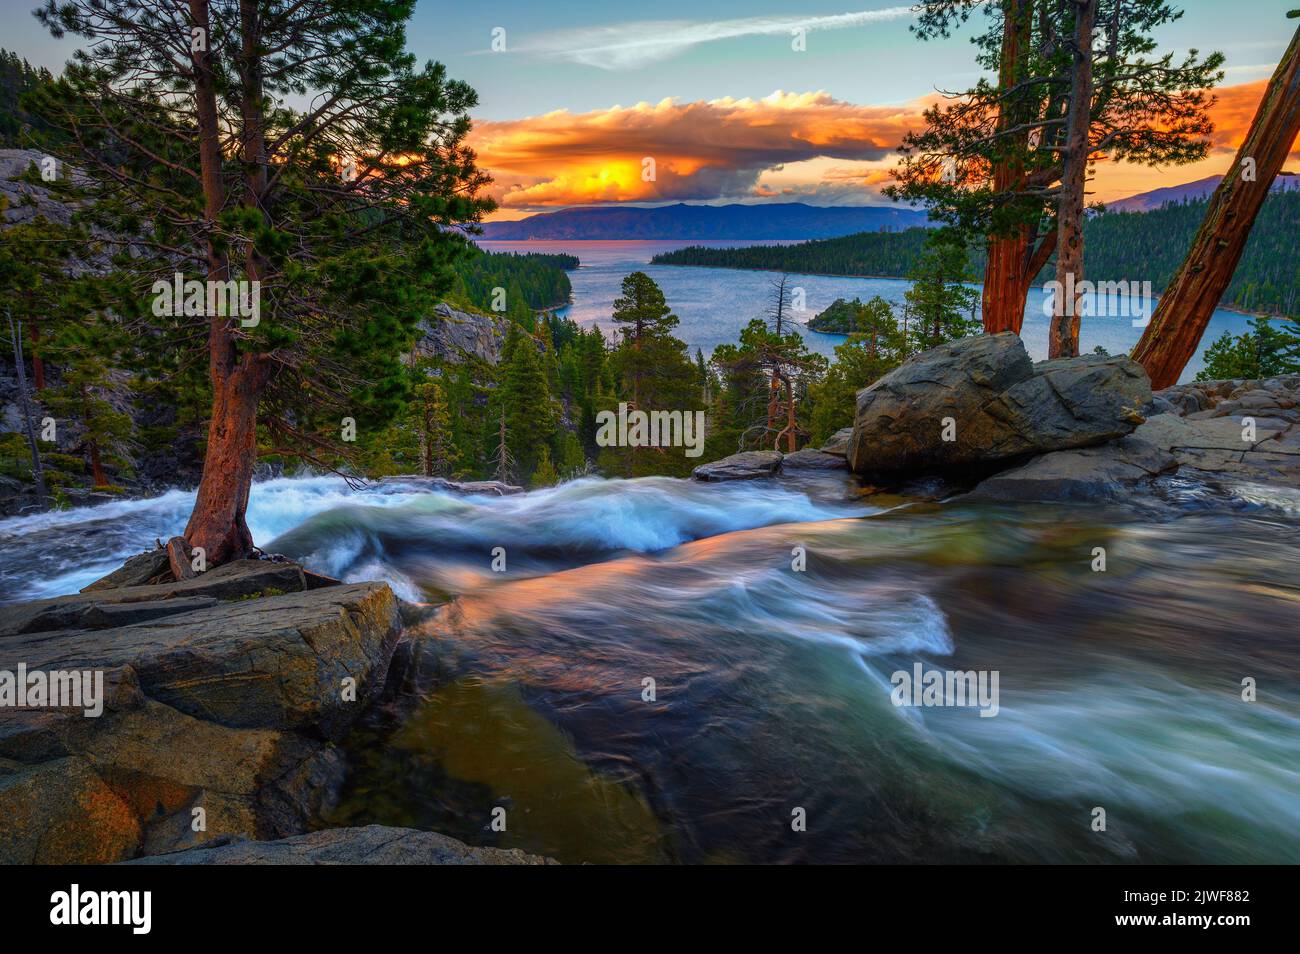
<point x="1200" y="189"/>
<point x="781" y="220"/>
<point x="784" y="220"/>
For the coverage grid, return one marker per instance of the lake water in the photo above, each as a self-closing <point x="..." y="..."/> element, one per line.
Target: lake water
<point x="715" y="303"/>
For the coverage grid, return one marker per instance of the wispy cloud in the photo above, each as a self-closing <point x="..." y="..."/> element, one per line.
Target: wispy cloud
<point x="628" y="46"/>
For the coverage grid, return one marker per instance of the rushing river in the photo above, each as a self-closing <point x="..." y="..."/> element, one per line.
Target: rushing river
<point x="715" y="303"/>
<point x="526" y="689"/>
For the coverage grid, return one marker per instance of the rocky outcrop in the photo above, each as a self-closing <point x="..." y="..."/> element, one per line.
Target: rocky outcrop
<point x="240" y="579"/>
<point x="1109" y="472"/>
<point x="807" y="464"/>
<point x="457" y="336"/>
<point x="371" y="845"/>
<point x="980" y="401"/>
<point x="27" y="200"/>
<point x="223" y="697"/>
<point x="747" y="465"/>
<point x="839" y="442"/>
<point x="1212" y="431"/>
<point x="812" y="459"/>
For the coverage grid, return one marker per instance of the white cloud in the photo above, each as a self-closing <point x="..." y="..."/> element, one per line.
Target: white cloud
<point x="628" y="46"/>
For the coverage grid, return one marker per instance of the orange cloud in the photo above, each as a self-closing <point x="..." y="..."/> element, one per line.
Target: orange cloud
<point x="671" y="151"/>
<point x="783" y="145"/>
<point x="1232" y="112"/>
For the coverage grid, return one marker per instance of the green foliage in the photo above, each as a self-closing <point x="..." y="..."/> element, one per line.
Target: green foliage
<point x="544" y="474"/>
<point x="988" y="157"/>
<point x="533" y="281"/>
<point x="19" y="128"/>
<point x="525" y="396"/>
<point x="1262" y="352"/>
<point x="940" y="305"/>
<point x="345" y="218"/>
<point x="1132" y="246"/>
<point x="652" y="371"/>
<point x="876" y="345"/>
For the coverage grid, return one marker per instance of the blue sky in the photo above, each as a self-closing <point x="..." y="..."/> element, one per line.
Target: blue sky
<point x="583" y="92"/>
<point x="874" y="63"/>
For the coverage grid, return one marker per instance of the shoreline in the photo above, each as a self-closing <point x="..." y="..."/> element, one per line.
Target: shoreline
<point x="1235" y="309"/>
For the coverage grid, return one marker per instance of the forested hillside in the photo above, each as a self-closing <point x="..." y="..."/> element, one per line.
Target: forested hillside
<point x="1137" y="246"/>
<point x="18" y="127"/>
<point x="532" y="282"/>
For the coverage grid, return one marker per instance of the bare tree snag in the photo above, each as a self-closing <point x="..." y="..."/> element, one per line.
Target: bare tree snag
<point x="1186" y="306"/>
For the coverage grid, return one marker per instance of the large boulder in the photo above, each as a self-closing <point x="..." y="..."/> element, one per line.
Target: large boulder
<point x="371" y="845"/>
<point x="973" y="403"/>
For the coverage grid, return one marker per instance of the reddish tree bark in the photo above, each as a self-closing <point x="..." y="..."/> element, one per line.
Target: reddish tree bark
<point x="217" y="522"/>
<point x="1184" y="310"/>
<point x="1005" y="284"/>
<point x="1063" y="336"/>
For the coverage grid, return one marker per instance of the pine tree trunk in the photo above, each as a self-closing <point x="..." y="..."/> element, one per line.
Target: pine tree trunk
<point x="96" y="465"/>
<point x="1186" y="306"/>
<point x="217" y="523"/>
<point x="1063" y="337"/>
<point x="1005" y="290"/>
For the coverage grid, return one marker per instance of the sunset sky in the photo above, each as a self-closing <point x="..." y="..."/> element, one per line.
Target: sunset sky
<point x="713" y="90"/>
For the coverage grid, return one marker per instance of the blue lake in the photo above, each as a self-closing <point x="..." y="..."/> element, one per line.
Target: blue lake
<point x="715" y="303"/>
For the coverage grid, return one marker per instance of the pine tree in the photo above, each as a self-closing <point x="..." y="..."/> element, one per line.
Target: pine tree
<point x="182" y="116"/>
<point x="992" y="161"/>
<point x="544" y="474"/>
<point x="875" y="349"/>
<point x="434" y="427"/>
<point x="653" y="371"/>
<point x="940" y="304"/>
<point x="525" y="398"/>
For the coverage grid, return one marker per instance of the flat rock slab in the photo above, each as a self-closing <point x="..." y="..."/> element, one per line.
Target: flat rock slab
<point x="371" y="845"/>
<point x="1110" y="472"/>
<point x="811" y="459"/>
<point x="139" y="570"/>
<point x="839" y="442"/>
<point x="277" y="662"/>
<point x="241" y="579"/>
<point x="747" y="465"/>
<point x="1224" y="446"/>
